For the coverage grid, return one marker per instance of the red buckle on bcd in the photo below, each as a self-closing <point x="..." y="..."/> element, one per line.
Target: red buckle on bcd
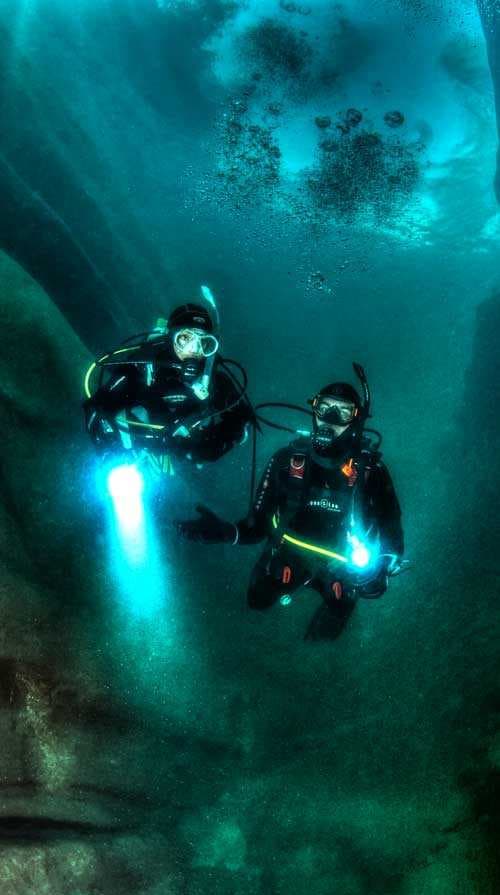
<point x="350" y="471"/>
<point x="337" y="590"/>
<point x="297" y="466"/>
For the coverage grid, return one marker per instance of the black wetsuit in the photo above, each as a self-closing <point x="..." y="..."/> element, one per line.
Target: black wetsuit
<point x="154" y="388"/>
<point x="313" y="500"/>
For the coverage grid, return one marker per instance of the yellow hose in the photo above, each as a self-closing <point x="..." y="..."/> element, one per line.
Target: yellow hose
<point x="88" y="375"/>
<point x="312" y="547"/>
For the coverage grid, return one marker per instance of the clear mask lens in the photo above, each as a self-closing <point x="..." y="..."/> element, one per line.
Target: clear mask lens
<point x="336" y="413"/>
<point x="195" y="344"/>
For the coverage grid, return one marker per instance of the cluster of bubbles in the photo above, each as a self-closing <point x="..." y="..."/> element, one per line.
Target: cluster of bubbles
<point x="249" y="162"/>
<point x="359" y="169"/>
<point x="284" y="54"/>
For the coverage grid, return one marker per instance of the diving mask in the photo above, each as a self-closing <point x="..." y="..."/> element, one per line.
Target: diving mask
<point x="195" y="343"/>
<point x="334" y="411"/>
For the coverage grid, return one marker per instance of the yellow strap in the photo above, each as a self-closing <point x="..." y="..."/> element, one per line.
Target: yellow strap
<point x="145" y="425"/>
<point x="314" y="549"/>
<point x="86" y="384"/>
<point x="121" y="350"/>
<point x="87" y="379"/>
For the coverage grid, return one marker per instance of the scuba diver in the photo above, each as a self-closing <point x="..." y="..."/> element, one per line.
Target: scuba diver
<point x="328" y="509"/>
<point x="169" y="393"/>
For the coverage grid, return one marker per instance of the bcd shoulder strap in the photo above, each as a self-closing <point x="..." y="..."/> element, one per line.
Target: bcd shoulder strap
<point x="294" y="479"/>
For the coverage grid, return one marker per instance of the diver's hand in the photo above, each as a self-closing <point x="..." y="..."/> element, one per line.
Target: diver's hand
<point x="180" y="431"/>
<point x="93" y="422"/>
<point x="393" y="564"/>
<point x="208" y="529"/>
<point x="375" y="587"/>
<point x="103" y="437"/>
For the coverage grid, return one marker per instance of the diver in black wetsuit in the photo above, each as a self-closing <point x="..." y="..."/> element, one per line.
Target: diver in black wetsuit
<point x="328" y="509"/>
<point x="170" y="394"/>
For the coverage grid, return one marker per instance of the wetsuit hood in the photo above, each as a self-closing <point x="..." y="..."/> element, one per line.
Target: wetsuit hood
<point x="191" y="315"/>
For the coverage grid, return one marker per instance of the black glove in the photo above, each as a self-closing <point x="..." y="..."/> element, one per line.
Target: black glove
<point x="94" y="424"/>
<point x="208" y="529"/>
<point x="375" y="588"/>
<point x="395" y="565"/>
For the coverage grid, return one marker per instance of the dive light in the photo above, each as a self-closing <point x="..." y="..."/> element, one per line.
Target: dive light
<point x="125" y="482"/>
<point x="362" y="554"/>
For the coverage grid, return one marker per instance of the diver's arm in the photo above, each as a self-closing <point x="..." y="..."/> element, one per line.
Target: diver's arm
<point x="100" y="410"/>
<point x="240" y="412"/>
<point x="388" y="511"/>
<point x="217" y="426"/>
<point x="118" y="392"/>
<point x="217" y="430"/>
<point x="255" y="526"/>
<point x="210" y="529"/>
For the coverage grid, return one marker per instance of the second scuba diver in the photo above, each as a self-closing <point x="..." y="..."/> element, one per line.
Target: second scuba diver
<point x="169" y="393"/>
<point x="326" y="506"/>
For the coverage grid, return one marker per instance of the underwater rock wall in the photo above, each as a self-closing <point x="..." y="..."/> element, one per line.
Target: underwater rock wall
<point x="97" y="107"/>
<point x="108" y="727"/>
<point x="33" y="234"/>
<point x="490" y="17"/>
<point x="479" y="426"/>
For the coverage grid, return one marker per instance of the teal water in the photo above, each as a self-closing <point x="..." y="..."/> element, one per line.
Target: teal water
<point x="147" y="148"/>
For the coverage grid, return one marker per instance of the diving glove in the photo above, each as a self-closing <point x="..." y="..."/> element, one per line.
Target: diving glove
<point x="208" y="529"/>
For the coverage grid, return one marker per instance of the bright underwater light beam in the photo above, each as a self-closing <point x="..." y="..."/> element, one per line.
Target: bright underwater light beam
<point x="135" y="556"/>
<point x="125" y="485"/>
<point x="362" y="555"/>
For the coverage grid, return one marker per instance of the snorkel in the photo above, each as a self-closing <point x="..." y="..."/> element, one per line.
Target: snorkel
<point x="367" y="398"/>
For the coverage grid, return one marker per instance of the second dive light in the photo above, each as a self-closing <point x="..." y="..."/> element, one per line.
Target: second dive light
<point x="360" y="554"/>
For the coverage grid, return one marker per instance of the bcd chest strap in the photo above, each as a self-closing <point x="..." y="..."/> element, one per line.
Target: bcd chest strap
<point x="353" y="473"/>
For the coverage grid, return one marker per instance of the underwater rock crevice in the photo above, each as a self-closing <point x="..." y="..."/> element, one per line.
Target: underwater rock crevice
<point x="36" y="237"/>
